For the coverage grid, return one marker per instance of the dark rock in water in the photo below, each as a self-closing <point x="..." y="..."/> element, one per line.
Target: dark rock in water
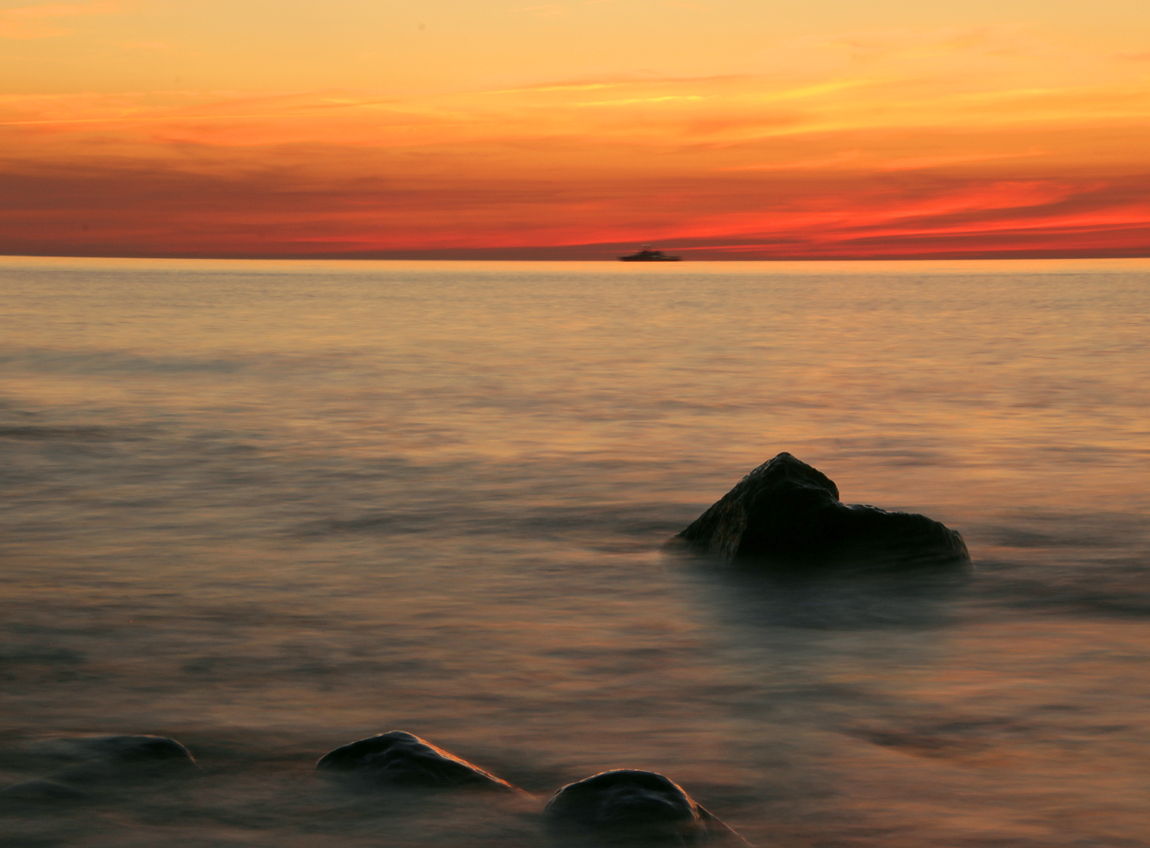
<point x="631" y="807"/>
<point x="400" y="759"/>
<point x="40" y="791"/>
<point x="787" y="513"/>
<point x="100" y="759"/>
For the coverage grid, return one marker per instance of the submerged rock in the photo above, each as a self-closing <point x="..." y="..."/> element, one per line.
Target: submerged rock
<point x="786" y="513"/>
<point x="401" y="759"/>
<point x="40" y="791"/>
<point x="100" y="759"/>
<point x="631" y="807"/>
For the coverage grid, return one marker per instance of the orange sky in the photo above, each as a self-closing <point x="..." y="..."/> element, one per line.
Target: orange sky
<point x="732" y="129"/>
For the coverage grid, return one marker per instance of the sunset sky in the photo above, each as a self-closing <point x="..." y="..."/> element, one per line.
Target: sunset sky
<point x="495" y="128"/>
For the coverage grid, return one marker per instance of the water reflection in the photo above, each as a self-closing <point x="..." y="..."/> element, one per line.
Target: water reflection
<point x="870" y="595"/>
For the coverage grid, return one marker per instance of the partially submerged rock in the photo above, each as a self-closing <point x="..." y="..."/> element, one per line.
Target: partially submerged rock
<point x="40" y="790"/>
<point x="401" y="759"/>
<point x="786" y="513"/>
<point x="631" y="807"/>
<point x="102" y="759"/>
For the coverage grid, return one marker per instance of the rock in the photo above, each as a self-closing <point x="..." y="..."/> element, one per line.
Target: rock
<point x="40" y="791"/>
<point x="99" y="759"/>
<point x="400" y="759"/>
<point x="626" y="807"/>
<point x="786" y="513"/>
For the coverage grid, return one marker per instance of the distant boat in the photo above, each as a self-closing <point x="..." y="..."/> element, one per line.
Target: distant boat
<point x="648" y="255"/>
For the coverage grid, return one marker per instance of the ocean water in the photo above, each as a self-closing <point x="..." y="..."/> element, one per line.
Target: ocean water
<point x="270" y="508"/>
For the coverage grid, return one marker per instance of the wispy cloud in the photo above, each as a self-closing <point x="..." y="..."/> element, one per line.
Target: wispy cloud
<point x="822" y="163"/>
<point x="917" y="163"/>
<point x="145" y="45"/>
<point x="28" y="22"/>
<point x="666" y="98"/>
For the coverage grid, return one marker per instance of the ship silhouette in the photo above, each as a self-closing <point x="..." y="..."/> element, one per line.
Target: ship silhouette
<point x="648" y="255"/>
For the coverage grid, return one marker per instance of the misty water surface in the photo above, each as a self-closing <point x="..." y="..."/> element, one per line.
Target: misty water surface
<point x="270" y="508"/>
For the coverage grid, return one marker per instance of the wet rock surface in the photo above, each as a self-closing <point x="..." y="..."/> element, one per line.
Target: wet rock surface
<point x="40" y="791"/>
<point x="609" y="810"/>
<point x="402" y="760"/>
<point x="786" y="514"/>
<point x="631" y="807"/>
<point x="118" y="759"/>
<point x="93" y="768"/>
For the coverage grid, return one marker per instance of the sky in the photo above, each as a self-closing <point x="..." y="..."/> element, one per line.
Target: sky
<point x="720" y="129"/>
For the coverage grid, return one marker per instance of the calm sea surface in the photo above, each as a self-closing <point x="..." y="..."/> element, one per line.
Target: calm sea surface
<point x="270" y="508"/>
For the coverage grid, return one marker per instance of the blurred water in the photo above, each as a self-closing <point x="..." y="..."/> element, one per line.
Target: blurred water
<point x="269" y="508"/>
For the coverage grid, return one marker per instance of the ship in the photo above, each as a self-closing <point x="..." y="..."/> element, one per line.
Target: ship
<point x="648" y="255"/>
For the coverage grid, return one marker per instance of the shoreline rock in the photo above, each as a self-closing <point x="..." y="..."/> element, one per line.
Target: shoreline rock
<point x="631" y="807"/>
<point x="403" y="760"/>
<point x="40" y="790"/>
<point x="99" y="767"/>
<point x="787" y="515"/>
<point x="103" y="760"/>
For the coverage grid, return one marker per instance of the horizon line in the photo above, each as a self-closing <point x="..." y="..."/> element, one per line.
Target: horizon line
<point x="480" y="255"/>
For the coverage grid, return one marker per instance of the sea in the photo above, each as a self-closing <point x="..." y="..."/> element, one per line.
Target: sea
<point x="268" y="508"/>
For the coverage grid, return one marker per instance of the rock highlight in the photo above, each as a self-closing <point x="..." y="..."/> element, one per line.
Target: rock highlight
<point x="402" y="760"/>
